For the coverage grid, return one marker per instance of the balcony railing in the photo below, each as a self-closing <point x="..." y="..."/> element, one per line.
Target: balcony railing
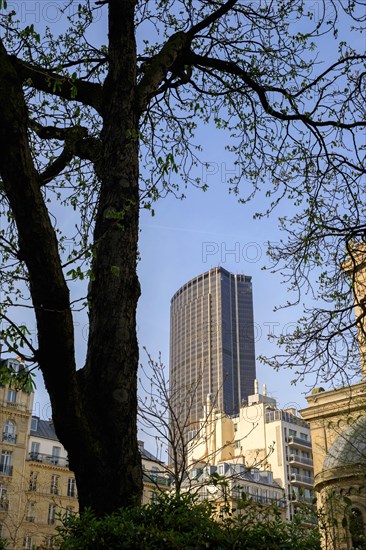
<point x="300" y="460"/>
<point x="15" y="406"/>
<point x="49" y="459"/>
<point x="293" y="440"/>
<point x="302" y="498"/>
<point x="152" y="477"/>
<point x="238" y="495"/>
<point x="9" y="438"/>
<point x="298" y="478"/>
<point x="6" y="470"/>
<point x="273" y="416"/>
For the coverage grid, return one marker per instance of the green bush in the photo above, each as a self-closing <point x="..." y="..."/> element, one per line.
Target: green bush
<point x="181" y="523"/>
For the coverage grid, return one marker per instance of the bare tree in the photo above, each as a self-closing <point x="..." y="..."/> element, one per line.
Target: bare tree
<point x="165" y="413"/>
<point x="78" y="119"/>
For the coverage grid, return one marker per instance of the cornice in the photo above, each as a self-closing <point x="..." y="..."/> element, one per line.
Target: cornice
<point x="331" y="403"/>
<point x="339" y="475"/>
<point x="47" y="466"/>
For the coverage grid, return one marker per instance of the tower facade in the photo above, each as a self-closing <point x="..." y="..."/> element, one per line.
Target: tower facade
<point x="212" y="344"/>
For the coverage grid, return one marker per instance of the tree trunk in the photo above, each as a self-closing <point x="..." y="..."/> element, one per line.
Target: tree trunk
<point x="95" y="408"/>
<point x="111" y="474"/>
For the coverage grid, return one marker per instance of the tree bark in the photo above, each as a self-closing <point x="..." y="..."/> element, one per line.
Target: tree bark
<point x="110" y="377"/>
<point x="95" y="408"/>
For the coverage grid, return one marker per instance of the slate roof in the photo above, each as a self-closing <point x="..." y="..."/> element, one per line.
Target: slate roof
<point x="349" y="448"/>
<point x="44" y="429"/>
<point x="146" y="454"/>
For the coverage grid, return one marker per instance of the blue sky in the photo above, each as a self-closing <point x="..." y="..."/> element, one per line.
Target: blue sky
<point x="188" y="237"/>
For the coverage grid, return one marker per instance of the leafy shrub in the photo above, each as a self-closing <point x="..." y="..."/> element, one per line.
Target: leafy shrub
<point x="179" y="522"/>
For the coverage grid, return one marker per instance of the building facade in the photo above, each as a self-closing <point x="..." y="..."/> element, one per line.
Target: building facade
<point x="262" y="436"/>
<point x="229" y="484"/>
<point x="338" y="428"/>
<point x="156" y="479"/>
<point x="37" y="488"/>
<point x="212" y="342"/>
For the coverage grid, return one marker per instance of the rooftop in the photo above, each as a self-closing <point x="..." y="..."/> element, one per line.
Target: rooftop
<point x="43" y="428"/>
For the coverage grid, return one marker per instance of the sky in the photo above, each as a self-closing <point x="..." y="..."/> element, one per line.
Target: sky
<point x="207" y="229"/>
<point x="186" y="238"/>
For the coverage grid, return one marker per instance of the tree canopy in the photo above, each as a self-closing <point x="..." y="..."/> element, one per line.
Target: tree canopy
<point x="98" y="120"/>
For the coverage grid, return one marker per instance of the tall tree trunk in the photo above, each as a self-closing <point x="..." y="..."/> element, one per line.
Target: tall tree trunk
<point x="110" y="376"/>
<point x="95" y="408"/>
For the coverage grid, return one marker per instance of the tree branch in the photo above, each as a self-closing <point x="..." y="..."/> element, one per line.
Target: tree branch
<point x="172" y="56"/>
<point x="50" y="82"/>
<point x="232" y="68"/>
<point x="159" y="66"/>
<point x="55" y="168"/>
<point x="77" y="143"/>
<point x="215" y="16"/>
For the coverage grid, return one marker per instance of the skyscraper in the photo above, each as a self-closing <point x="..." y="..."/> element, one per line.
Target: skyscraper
<point x="212" y="341"/>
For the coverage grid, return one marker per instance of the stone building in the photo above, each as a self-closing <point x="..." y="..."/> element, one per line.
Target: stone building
<point x="36" y="486"/>
<point x="37" y="489"/>
<point x="265" y="437"/>
<point x="236" y="483"/>
<point x="338" y="426"/>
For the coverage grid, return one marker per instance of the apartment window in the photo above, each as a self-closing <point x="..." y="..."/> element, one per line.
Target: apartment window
<point x="12" y="396"/>
<point x="55" y="455"/>
<point x="237" y="444"/>
<point x="356" y="528"/>
<point x="54" y="485"/>
<point x="16" y="366"/>
<point x="6" y="463"/>
<point x="4" y="504"/>
<point x="70" y="512"/>
<point x="31" y="511"/>
<point x="34" y="452"/>
<point x="292" y="432"/>
<point x="9" y="433"/>
<point x="34" y="423"/>
<point x="304" y="436"/>
<point x="71" y="487"/>
<point x="33" y="481"/>
<point x="51" y="514"/>
<point x="50" y="542"/>
<point x="154" y="474"/>
<point x="27" y="542"/>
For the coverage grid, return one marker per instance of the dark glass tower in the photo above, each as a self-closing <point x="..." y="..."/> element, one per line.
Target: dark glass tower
<point x="212" y="341"/>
